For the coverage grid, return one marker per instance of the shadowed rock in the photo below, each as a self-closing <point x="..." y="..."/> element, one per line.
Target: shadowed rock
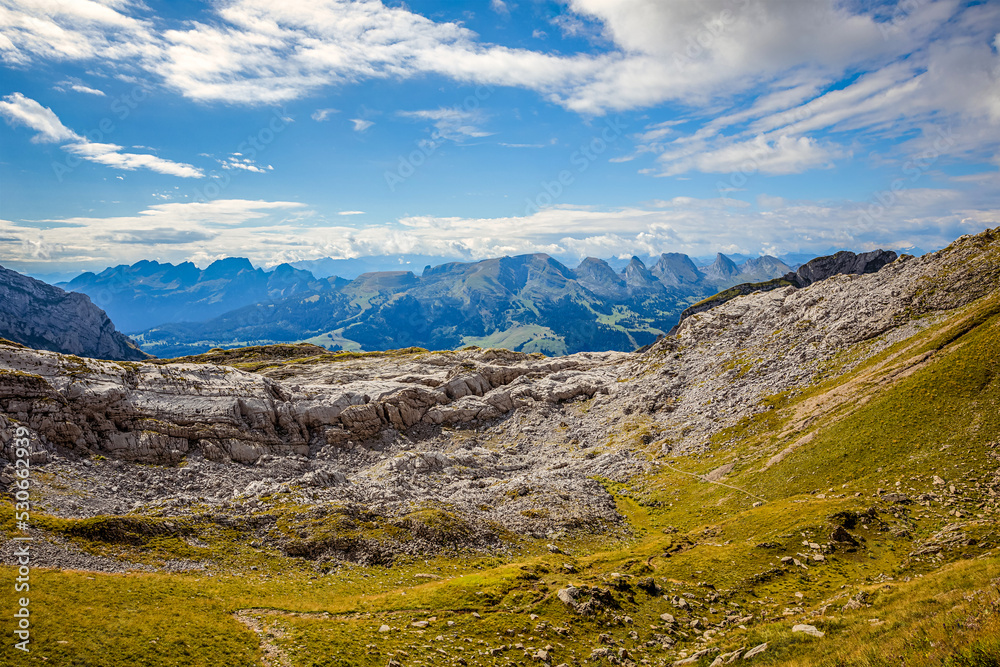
<point x="44" y="317"/>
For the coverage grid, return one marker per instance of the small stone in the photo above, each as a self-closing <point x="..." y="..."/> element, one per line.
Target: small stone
<point x="808" y="629"/>
<point x="384" y="628"/>
<point x="419" y="624"/>
<point x="755" y="651"/>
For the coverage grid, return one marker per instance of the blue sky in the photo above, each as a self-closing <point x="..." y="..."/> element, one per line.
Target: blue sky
<point x="298" y="129"/>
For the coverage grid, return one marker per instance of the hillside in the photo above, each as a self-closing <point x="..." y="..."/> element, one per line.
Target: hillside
<point x="47" y="318"/>
<point x="805" y="476"/>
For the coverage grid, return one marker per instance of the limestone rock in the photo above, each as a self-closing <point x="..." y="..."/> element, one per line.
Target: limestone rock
<point x="810" y="630"/>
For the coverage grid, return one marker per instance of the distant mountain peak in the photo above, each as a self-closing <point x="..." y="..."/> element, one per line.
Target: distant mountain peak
<point x="676" y="269"/>
<point x="722" y="268"/>
<point x="597" y="276"/>
<point x="639" y="279"/>
<point x="228" y="267"/>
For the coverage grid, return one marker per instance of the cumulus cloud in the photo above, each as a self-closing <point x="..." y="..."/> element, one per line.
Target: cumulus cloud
<point x="182" y="226"/>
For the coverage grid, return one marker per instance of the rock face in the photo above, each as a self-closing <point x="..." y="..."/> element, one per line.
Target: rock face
<point x="675" y="269"/>
<point x="722" y="269"/>
<point x="639" y="279"/>
<point x="821" y="268"/>
<point x="598" y="277"/>
<point x="41" y="316"/>
<point x="843" y="263"/>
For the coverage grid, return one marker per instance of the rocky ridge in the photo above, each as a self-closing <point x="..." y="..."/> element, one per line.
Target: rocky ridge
<point x="41" y="316"/>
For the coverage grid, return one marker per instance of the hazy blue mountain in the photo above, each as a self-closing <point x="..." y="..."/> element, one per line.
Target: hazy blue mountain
<point x="722" y="270"/>
<point x="598" y="277"/>
<point x="675" y="269"/>
<point x="352" y="268"/>
<point x="528" y="302"/>
<point x="759" y="269"/>
<point x="149" y="293"/>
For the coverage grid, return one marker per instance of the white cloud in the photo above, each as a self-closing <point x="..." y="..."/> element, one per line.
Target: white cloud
<point x="350" y="212"/>
<point x="240" y="162"/>
<point x="779" y="155"/>
<point x="81" y="30"/>
<point x="80" y="88"/>
<point x="112" y="156"/>
<point x="20" y="110"/>
<point x="932" y="60"/>
<point x="321" y="115"/>
<point x="500" y="7"/>
<point x="360" y="125"/>
<point x="172" y="229"/>
<point x="452" y="123"/>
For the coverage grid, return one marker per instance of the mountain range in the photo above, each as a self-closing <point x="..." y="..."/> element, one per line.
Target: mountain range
<point x="529" y="303"/>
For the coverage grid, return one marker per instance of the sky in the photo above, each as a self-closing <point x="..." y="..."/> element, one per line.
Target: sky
<point x="299" y="129"/>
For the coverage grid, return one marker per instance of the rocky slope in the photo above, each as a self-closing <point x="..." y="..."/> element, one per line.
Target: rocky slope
<point x="45" y="317"/>
<point x="815" y="270"/>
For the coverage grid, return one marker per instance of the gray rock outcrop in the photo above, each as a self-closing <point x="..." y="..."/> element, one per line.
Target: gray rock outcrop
<point x="38" y="315"/>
